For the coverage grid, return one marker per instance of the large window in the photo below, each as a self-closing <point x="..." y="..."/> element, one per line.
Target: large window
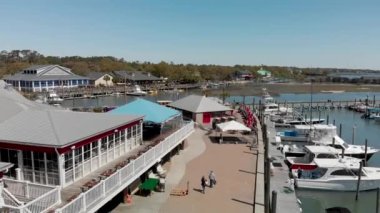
<point x="87" y="151"/>
<point x="78" y="156"/>
<point x="95" y="149"/>
<point x="68" y="161"/>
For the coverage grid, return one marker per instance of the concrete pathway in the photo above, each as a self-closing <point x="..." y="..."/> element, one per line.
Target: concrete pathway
<point x="195" y="146"/>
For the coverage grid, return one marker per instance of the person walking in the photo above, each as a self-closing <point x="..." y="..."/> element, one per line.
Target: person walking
<point x="203" y="184"/>
<point x="212" y="178"/>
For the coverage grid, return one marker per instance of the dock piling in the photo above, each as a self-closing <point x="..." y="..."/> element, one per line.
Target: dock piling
<point x="377" y="199"/>
<point x="365" y="152"/>
<point x="340" y="130"/>
<point x="274" y="201"/>
<point x="358" y="184"/>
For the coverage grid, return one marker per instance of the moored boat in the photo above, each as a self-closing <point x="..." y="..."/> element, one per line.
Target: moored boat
<point x="337" y="175"/>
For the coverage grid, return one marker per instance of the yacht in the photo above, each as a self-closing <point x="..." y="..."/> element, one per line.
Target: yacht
<point x="306" y="162"/>
<point x="337" y="175"/>
<point x="270" y="107"/>
<point x="356" y="151"/>
<point x="306" y="133"/>
<point x="137" y="91"/>
<point x="53" y="98"/>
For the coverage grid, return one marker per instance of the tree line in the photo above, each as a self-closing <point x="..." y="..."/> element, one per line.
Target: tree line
<point x="16" y="60"/>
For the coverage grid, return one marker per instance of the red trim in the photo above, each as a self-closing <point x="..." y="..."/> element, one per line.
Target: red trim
<point x="304" y="166"/>
<point x="66" y="148"/>
<point x="26" y="147"/>
<point x="94" y="138"/>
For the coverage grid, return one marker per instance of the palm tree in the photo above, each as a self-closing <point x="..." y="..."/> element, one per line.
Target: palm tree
<point x="106" y="78"/>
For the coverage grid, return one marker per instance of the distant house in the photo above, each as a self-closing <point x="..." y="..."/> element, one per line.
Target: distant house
<point x="200" y="108"/>
<point x="135" y="77"/>
<point x="264" y="73"/>
<point x="243" y="75"/>
<point x="40" y="78"/>
<point x="100" y="79"/>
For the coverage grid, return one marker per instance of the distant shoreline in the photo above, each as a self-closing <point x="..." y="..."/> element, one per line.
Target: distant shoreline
<point x="280" y="88"/>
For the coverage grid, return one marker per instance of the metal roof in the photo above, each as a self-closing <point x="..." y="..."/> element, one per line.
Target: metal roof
<point x="58" y="128"/>
<point x="96" y="75"/>
<point x="198" y="104"/>
<point x="151" y="111"/>
<point x="41" y="74"/>
<point x="26" y="122"/>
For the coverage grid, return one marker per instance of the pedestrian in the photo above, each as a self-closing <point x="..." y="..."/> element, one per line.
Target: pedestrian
<point x="203" y="184"/>
<point x="212" y="178"/>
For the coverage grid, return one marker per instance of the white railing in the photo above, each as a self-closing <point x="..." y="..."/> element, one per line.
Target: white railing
<point x="44" y="202"/>
<point x="39" y="197"/>
<point x="26" y="189"/>
<point x="10" y="199"/>
<point x="105" y="190"/>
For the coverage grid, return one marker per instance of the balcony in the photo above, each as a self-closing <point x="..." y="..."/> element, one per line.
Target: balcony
<point x="115" y="181"/>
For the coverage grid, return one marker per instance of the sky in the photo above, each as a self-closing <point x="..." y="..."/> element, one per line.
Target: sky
<point x="303" y="33"/>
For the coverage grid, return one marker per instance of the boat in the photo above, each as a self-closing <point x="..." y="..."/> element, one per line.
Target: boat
<point x="306" y="162"/>
<point x="270" y="107"/>
<point x="332" y="91"/>
<point x="53" y="98"/>
<point x="356" y="151"/>
<point x="137" y="91"/>
<point x="306" y="133"/>
<point x="337" y="175"/>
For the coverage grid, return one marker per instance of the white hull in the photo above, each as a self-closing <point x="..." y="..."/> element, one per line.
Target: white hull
<point x="338" y="184"/>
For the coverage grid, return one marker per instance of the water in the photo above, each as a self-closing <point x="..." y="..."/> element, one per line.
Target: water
<point x="315" y="201"/>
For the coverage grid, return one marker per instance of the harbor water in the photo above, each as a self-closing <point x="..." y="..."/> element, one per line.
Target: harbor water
<point x="354" y="130"/>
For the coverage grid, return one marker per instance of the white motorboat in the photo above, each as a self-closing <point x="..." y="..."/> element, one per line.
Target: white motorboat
<point x="306" y="162"/>
<point x="53" y="98"/>
<point x="356" y="151"/>
<point x="307" y="133"/>
<point x="137" y="91"/>
<point x="270" y="107"/>
<point x="337" y="175"/>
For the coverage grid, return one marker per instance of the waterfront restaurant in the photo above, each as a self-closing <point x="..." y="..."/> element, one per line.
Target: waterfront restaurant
<point x="56" y="147"/>
<point x="135" y="77"/>
<point x="40" y="78"/>
<point x="200" y="108"/>
<point x="74" y="161"/>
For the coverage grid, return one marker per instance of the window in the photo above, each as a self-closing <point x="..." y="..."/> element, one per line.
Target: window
<point x="39" y="161"/>
<point x="110" y="141"/>
<point x="325" y="155"/>
<point x="87" y="151"/>
<point x="104" y="144"/>
<point x="68" y="161"/>
<point x="78" y="156"/>
<point x="94" y="148"/>
<point x="27" y="156"/>
<point x="347" y="172"/>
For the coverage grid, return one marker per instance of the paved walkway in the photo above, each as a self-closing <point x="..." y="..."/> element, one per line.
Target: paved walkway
<point x="194" y="147"/>
<point x="235" y="169"/>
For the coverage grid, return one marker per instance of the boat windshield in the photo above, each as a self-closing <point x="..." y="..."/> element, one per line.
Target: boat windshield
<point x="312" y="174"/>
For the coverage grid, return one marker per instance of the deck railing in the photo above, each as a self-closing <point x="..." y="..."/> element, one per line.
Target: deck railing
<point x="37" y="197"/>
<point x="105" y="190"/>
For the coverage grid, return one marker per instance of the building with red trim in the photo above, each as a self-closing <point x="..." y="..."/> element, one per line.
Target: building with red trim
<point x="54" y="146"/>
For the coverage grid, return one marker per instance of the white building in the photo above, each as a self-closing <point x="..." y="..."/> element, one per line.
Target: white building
<point x="100" y="79"/>
<point x="40" y="78"/>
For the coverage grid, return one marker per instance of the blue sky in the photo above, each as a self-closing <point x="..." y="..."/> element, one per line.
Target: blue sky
<point x="305" y="33"/>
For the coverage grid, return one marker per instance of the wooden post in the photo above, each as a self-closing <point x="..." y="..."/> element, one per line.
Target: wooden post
<point x="359" y="178"/>
<point x="342" y="153"/>
<point x="377" y="199"/>
<point x="334" y="122"/>
<point x="333" y="142"/>
<point x="374" y="101"/>
<point x="319" y="116"/>
<point x="365" y="153"/>
<point x="327" y="120"/>
<point x="274" y="201"/>
<point x="340" y="130"/>
<point x="353" y="134"/>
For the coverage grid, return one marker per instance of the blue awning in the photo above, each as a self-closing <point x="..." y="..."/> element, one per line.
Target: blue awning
<point x="152" y="111"/>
